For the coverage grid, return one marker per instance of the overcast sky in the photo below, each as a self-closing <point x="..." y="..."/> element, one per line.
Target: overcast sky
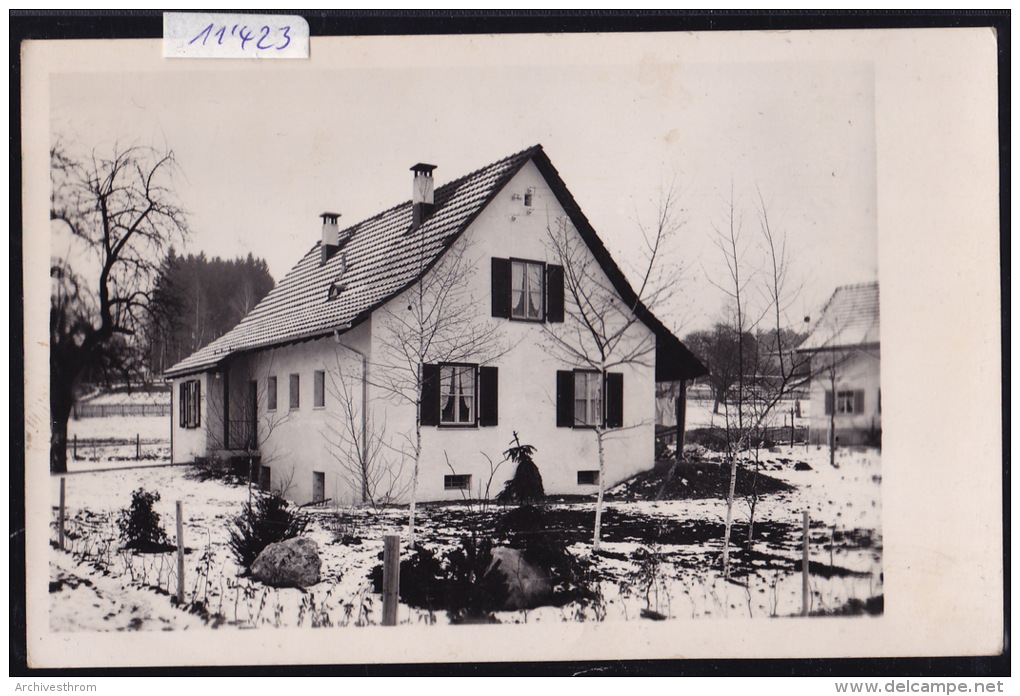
<point x="265" y="147"/>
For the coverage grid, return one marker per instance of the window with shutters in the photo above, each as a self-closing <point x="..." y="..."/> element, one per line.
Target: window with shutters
<point x="295" y="392"/>
<point x="457" y="394"/>
<point x="846" y="402"/>
<point x="850" y="401"/>
<point x="527" y="290"/>
<point x="271" y="393"/>
<point x="585" y="401"/>
<point x="190" y="403"/>
<point x="320" y="389"/>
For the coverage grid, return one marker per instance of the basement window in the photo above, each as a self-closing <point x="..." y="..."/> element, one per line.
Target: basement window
<point x="588" y="478"/>
<point x="457" y="482"/>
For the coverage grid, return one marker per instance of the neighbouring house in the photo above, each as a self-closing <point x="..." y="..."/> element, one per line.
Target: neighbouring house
<point x="300" y="383"/>
<point x="843" y="348"/>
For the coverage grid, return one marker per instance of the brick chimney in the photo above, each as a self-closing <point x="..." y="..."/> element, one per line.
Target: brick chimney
<point x="330" y="235"/>
<point x="422" y="195"/>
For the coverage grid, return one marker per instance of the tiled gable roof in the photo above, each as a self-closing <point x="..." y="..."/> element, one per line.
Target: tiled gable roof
<point x="849" y="318"/>
<point x="380" y="262"/>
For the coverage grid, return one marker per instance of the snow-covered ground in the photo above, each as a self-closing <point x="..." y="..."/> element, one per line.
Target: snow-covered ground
<point x="114" y="441"/>
<point x="97" y="586"/>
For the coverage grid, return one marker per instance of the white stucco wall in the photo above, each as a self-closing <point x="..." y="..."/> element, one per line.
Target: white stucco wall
<point x="296" y="443"/>
<point x="189" y="443"/>
<point x="859" y="369"/>
<point x="527" y="373"/>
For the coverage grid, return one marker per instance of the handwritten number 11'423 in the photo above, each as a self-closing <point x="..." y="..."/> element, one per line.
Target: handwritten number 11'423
<point x="245" y="34"/>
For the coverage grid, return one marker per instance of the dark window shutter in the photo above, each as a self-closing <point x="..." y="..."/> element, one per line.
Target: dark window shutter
<point x="501" y="288"/>
<point x="488" y="385"/>
<point x="198" y="403"/>
<point x="430" y="394"/>
<point x="554" y="293"/>
<point x="859" y="401"/>
<point x="614" y="400"/>
<point x="564" y="399"/>
<point x="828" y="403"/>
<point x="180" y="405"/>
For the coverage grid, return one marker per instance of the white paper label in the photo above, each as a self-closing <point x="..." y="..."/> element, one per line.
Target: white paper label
<point x="204" y="35"/>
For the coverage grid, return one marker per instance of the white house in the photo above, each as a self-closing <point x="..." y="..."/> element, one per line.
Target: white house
<point x="305" y="381"/>
<point x="843" y="347"/>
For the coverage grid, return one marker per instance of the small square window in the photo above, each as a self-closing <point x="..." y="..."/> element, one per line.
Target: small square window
<point x="457" y="482"/>
<point x="588" y="478"/>
<point x="295" y="392"/>
<point x="527" y="290"/>
<point x="320" y="389"/>
<point x="271" y="394"/>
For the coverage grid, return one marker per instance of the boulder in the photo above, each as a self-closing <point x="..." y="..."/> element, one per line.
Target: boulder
<point x="528" y="586"/>
<point x="290" y="563"/>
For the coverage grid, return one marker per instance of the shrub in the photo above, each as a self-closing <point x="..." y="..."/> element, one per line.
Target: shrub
<point x="525" y="488"/>
<point x="264" y="520"/>
<point x="140" y="525"/>
<point x="462" y="582"/>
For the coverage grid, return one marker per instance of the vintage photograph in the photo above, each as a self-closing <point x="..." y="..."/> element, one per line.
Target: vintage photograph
<point x="432" y="331"/>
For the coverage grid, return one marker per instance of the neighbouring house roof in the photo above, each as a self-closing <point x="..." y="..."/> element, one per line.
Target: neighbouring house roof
<point x="380" y="262"/>
<point x="850" y="318"/>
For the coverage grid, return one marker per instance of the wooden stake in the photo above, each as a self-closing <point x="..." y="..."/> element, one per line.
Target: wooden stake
<point x="180" y="552"/>
<point x="74" y="455"/>
<point x="60" y="517"/>
<point x="804" y="566"/>
<point x="391" y="579"/>
<point x="791" y="426"/>
<point x="138" y="446"/>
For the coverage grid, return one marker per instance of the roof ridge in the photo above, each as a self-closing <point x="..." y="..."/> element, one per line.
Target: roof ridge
<point x="454" y="182"/>
<point x="262" y="327"/>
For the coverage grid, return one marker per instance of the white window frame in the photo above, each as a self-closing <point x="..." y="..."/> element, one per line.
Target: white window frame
<point x="458" y="381"/>
<point x="845" y="402"/>
<point x="450" y="482"/>
<point x="584" y="380"/>
<point x="525" y="289"/>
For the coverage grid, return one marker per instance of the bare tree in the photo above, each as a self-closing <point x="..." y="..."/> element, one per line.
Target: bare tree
<point x="120" y="214"/>
<point x="598" y="329"/>
<point x="356" y="439"/>
<point x="438" y="324"/>
<point x="758" y="286"/>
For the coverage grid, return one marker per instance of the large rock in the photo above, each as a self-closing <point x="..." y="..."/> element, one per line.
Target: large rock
<point x="528" y="586"/>
<point x="290" y="563"/>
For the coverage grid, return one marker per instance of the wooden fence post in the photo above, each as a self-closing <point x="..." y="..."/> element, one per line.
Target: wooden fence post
<point x="791" y="426"/>
<point x="180" y="552"/>
<point x="391" y="579"/>
<point x="138" y="446"/>
<point x="74" y="454"/>
<point x="805" y="589"/>
<point x="60" y="517"/>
